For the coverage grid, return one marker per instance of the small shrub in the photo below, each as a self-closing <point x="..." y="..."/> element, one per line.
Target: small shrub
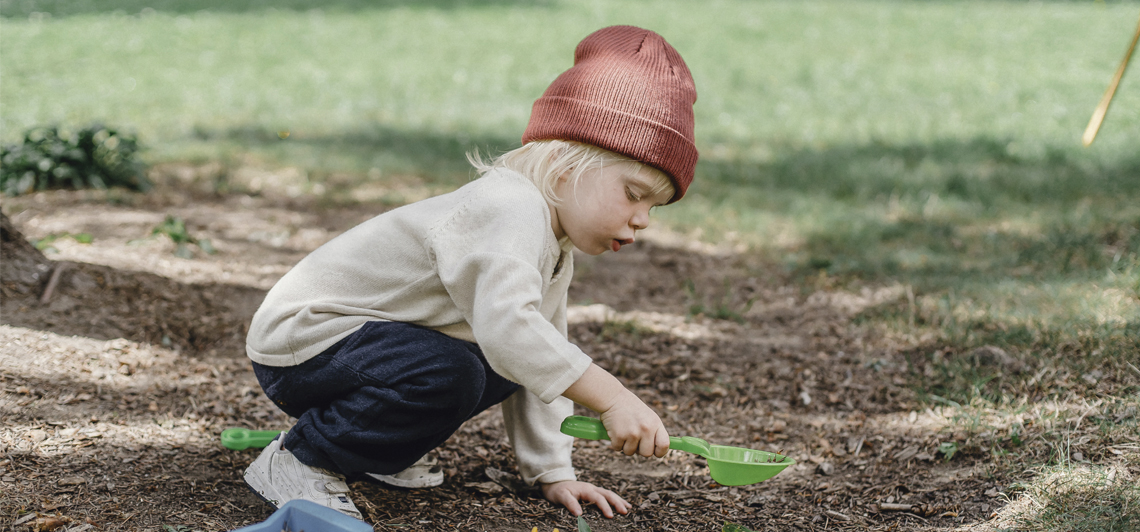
<point x="948" y="449"/>
<point x="93" y="157"/>
<point x="175" y="229"/>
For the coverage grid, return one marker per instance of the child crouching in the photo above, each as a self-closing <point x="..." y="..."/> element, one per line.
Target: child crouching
<point x="386" y="339"/>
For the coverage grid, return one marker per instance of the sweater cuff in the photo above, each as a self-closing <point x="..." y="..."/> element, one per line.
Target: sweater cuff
<point x="564" y="381"/>
<point x="556" y="475"/>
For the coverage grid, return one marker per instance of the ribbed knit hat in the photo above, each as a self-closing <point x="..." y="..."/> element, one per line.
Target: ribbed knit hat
<point x="628" y="92"/>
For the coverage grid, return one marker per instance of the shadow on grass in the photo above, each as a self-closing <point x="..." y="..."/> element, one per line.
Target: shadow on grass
<point x="930" y="215"/>
<point x="58" y="8"/>
<point x="990" y="172"/>
<point x="934" y="214"/>
<point x="939" y="253"/>
<point x="436" y="157"/>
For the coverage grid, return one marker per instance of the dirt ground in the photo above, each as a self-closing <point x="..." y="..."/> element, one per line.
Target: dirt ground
<point x="114" y="389"/>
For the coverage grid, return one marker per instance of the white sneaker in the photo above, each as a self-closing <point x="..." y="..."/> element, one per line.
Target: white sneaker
<point x="425" y="473"/>
<point x="278" y="477"/>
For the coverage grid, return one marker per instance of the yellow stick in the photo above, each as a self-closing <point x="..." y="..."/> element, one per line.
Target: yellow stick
<point x="1102" y="109"/>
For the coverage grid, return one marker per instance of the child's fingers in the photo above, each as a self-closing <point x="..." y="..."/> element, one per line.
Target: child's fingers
<point x="655" y="445"/>
<point x="662" y="441"/>
<point x="632" y="446"/>
<point x="648" y="447"/>
<point x="599" y="499"/>
<point x="626" y="446"/>
<point x="616" y="501"/>
<point x="570" y="502"/>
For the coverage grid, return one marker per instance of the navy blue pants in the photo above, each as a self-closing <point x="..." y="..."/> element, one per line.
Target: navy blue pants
<point x="381" y="398"/>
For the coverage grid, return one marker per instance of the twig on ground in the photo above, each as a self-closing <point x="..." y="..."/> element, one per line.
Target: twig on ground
<point x="895" y="507"/>
<point x="836" y="515"/>
<point x="56" y="272"/>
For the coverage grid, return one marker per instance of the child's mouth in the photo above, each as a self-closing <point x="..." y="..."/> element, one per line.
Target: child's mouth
<point x="616" y="244"/>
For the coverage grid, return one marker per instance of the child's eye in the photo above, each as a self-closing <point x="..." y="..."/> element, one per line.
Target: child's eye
<point x="632" y="197"/>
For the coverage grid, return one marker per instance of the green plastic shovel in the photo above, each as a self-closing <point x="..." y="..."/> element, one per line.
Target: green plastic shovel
<point x="729" y="466"/>
<point x="238" y="438"/>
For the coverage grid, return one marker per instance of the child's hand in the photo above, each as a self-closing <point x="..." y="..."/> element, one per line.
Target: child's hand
<point x="569" y="492"/>
<point x="635" y="428"/>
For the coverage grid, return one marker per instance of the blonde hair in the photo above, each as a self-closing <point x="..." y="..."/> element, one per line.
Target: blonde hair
<point x="545" y="161"/>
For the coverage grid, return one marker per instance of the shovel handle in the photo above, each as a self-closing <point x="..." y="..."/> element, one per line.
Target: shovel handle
<point x="589" y="428"/>
<point x="239" y="438"/>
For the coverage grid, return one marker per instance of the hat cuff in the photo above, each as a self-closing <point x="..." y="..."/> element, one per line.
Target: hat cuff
<point x="646" y="141"/>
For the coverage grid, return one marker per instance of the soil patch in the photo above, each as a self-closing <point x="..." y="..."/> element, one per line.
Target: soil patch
<point x="114" y="389"/>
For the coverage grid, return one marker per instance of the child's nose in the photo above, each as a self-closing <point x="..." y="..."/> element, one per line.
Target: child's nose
<point x="640" y="219"/>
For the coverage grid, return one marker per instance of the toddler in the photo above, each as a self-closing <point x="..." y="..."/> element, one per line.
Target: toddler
<point x="383" y="341"/>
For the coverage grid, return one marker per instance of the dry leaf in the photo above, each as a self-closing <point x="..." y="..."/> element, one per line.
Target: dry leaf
<point x="48" y="523"/>
<point x="907" y="453"/>
<point x="489" y="488"/>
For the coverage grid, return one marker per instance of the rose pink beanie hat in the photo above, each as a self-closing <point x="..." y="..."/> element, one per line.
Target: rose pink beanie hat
<point x="628" y="92"/>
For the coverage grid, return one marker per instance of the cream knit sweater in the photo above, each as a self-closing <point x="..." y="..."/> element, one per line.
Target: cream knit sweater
<point x="479" y="264"/>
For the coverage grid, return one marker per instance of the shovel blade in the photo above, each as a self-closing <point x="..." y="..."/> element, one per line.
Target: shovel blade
<point x="737" y="466"/>
<point x="729" y="466"/>
<point x="586" y="428"/>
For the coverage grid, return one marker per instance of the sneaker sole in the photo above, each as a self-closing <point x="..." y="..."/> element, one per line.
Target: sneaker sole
<point x="276" y="507"/>
<point x="417" y="483"/>
<point x="259" y="495"/>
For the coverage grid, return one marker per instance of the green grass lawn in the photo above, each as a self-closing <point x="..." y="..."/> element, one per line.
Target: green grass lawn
<point x="930" y="144"/>
<point x="934" y="144"/>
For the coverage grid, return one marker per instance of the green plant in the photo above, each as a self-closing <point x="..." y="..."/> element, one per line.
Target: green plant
<point x="616" y="329"/>
<point x="1015" y="434"/>
<point x="948" y="448"/>
<point x="721" y="308"/>
<point x="45" y="244"/>
<point x="175" y="229"/>
<point x="95" y="156"/>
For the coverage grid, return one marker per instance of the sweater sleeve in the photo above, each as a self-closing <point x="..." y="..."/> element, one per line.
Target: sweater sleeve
<point x="534" y="428"/>
<point x="542" y="451"/>
<point x="489" y="258"/>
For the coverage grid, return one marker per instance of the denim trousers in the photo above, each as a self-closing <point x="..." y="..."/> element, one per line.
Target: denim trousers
<point x="382" y="397"/>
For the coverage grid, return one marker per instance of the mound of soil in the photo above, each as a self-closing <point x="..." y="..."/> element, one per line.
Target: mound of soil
<point x="80" y="299"/>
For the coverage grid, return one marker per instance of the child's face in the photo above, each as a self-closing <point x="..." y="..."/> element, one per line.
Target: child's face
<point x="606" y="208"/>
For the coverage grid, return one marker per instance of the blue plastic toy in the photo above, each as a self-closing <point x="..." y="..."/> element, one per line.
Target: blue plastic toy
<point x="298" y="515"/>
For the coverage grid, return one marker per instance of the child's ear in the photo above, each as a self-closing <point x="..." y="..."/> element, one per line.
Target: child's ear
<point x="565" y="176"/>
<point x="556" y="152"/>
